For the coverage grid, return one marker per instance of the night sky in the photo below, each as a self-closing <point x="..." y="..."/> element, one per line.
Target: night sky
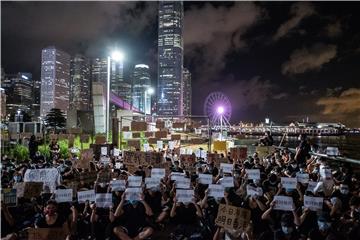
<point x="282" y="60"/>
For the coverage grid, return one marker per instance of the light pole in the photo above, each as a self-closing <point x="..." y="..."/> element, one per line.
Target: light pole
<point x="220" y="111"/>
<point x="149" y="91"/>
<point x="119" y="57"/>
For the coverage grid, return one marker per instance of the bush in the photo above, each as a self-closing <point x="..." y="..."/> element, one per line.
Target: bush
<point x="20" y="153"/>
<point x="45" y="151"/>
<point x="64" y="149"/>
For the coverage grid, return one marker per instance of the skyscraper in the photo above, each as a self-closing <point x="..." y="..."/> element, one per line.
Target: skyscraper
<point x="170" y="58"/>
<point x="80" y="96"/>
<point x="99" y="70"/>
<point x="187" y="92"/>
<point x="55" y="80"/>
<point x="141" y="84"/>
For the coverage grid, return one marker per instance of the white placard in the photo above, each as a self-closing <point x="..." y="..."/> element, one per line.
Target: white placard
<point x="189" y="151"/>
<point x="86" y="195"/>
<point x="116" y="152"/>
<point x="104" y="151"/>
<point x="103" y="200"/>
<point x="226" y="167"/>
<point x="254" y="191"/>
<point x="205" y="178"/>
<point x="325" y="173"/>
<point x="117" y="165"/>
<point x="182" y="182"/>
<point x="332" y="151"/>
<point x="49" y="176"/>
<point x="158" y="172"/>
<point x="197" y="130"/>
<point x="171" y="145"/>
<point x="302" y="177"/>
<point x="216" y="190"/>
<point x="253" y="173"/>
<point x="152" y="182"/>
<point x="227" y="182"/>
<point x="229" y="144"/>
<point x="118" y="185"/>
<point x="288" y="183"/>
<point x="159" y="145"/>
<point x="133" y="194"/>
<point x="283" y="203"/>
<point x="176" y="175"/>
<point x="313" y="203"/>
<point x="127" y="135"/>
<point x="146" y="147"/>
<point x="63" y="195"/>
<point x="311" y="186"/>
<point x="182" y="151"/>
<point x="105" y="160"/>
<point x="134" y="181"/>
<point x="204" y="154"/>
<point x="197" y="153"/>
<point x="184" y="195"/>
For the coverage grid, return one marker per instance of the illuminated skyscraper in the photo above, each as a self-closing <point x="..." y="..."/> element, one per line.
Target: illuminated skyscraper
<point x="170" y="58"/>
<point x="186" y="90"/>
<point x="55" y="80"/>
<point x="141" y="83"/>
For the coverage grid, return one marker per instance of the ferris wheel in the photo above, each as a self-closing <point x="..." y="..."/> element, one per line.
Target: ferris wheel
<point x="217" y="107"/>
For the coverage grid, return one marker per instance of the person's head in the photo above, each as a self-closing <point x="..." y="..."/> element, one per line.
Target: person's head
<point x="324" y="222"/>
<point x="344" y="189"/>
<point x="302" y="137"/>
<point x="51" y="208"/>
<point x="32" y="138"/>
<point x="287" y="224"/>
<point x="355" y="203"/>
<point x="272" y="178"/>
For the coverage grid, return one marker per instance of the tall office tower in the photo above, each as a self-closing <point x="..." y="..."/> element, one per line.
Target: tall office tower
<point x="170" y="58"/>
<point x="141" y="85"/>
<point x="35" y="106"/>
<point x="55" y="80"/>
<point x="99" y="70"/>
<point x="186" y="90"/>
<point x="80" y="95"/>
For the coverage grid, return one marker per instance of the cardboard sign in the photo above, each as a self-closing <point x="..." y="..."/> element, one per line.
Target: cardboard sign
<point x="134" y="181"/>
<point x="313" y="203"/>
<point x="86" y="156"/>
<point x="100" y="139"/>
<point x="103" y="200"/>
<point x="219" y="145"/>
<point x="188" y="161"/>
<point x="238" y="153"/>
<point x="184" y="195"/>
<point x="161" y="134"/>
<point x="232" y="218"/>
<point x="253" y="173"/>
<point x="28" y="189"/>
<point x="227" y="182"/>
<point x="157" y="172"/>
<point x="8" y="196"/>
<point x="311" y="186"/>
<point x="86" y="195"/>
<point x="116" y="152"/>
<point x="138" y="126"/>
<point x="216" y="191"/>
<point x="254" y="191"/>
<point x="205" y="178"/>
<point x="178" y="125"/>
<point x="104" y="151"/>
<point x="152" y="182"/>
<point x="118" y="185"/>
<point x="226" y="167"/>
<point x="133" y="194"/>
<point x="182" y="182"/>
<point x="84" y="138"/>
<point x="284" y="203"/>
<point x="289" y="183"/>
<point x="302" y="177"/>
<point x="160" y="124"/>
<point x="49" y="176"/>
<point x="159" y="145"/>
<point x="47" y="233"/>
<point x="63" y="195"/>
<point x="175" y="137"/>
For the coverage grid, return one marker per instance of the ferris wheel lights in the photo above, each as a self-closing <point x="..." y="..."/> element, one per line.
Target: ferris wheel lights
<point x="220" y="110"/>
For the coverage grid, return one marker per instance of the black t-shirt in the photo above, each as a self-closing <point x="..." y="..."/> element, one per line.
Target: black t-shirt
<point x="315" y="234"/>
<point x="186" y="215"/>
<point x="154" y="201"/>
<point x="279" y="235"/>
<point x="41" y="222"/>
<point x="134" y="217"/>
<point x="268" y="186"/>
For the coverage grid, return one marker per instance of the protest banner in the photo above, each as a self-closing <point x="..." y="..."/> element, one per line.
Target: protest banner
<point x="253" y="174"/>
<point x="8" y="196"/>
<point x="117" y="185"/>
<point x="205" y="178"/>
<point x="28" y="189"/>
<point x="160" y="124"/>
<point x="63" y="195"/>
<point x="103" y="200"/>
<point x="226" y="167"/>
<point x="311" y="186"/>
<point x="216" y="191"/>
<point x="127" y="135"/>
<point x="227" y="182"/>
<point x="99" y="139"/>
<point x="152" y="182"/>
<point x="49" y="176"/>
<point x="133" y="193"/>
<point x="175" y="137"/>
<point x="184" y="195"/>
<point x="149" y="134"/>
<point x="219" y="145"/>
<point x="161" y="134"/>
<point x="47" y="233"/>
<point x="284" y="203"/>
<point x="238" y="153"/>
<point x="178" y="125"/>
<point x="302" y="177"/>
<point x="86" y="195"/>
<point x="86" y="156"/>
<point x="289" y="183"/>
<point x="134" y="181"/>
<point x="116" y="152"/>
<point x="84" y="138"/>
<point x="133" y="143"/>
<point x="313" y="203"/>
<point x="138" y="126"/>
<point x="232" y="218"/>
<point x="254" y="191"/>
<point x="182" y="182"/>
<point x="104" y="177"/>
<point x="159" y="145"/>
<point x="158" y="172"/>
<point x="104" y="151"/>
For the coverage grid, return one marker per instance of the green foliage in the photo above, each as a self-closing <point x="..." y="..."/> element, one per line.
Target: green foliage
<point x="45" y="151"/>
<point x="20" y="152"/>
<point x="64" y="150"/>
<point x="55" y="119"/>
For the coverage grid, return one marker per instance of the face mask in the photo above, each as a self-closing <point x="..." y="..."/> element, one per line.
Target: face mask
<point x="133" y="202"/>
<point x="323" y="226"/>
<point x="344" y="191"/>
<point x="287" y="230"/>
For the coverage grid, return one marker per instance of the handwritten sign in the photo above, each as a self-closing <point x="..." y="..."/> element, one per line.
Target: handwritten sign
<point x="118" y="185"/>
<point x="311" y="186"/>
<point x="254" y="191"/>
<point x="232" y="218"/>
<point x="284" y="203"/>
<point x="289" y="183"/>
<point x="302" y="177"/>
<point x="49" y="176"/>
<point x="205" y="178"/>
<point x="152" y="182"/>
<point x="103" y="200"/>
<point x="216" y="190"/>
<point x="313" y="203"/>
<point x="63" y="195"/>
<point x="171" y="145"/>
<point x="159" y="145"/>
<point x="146" y="147"/>
<point x="133" y="194"/>
<point x="134" y="181"/>
<point x="86" y="195"/>
<point x="158" y="172"/>
<point x="182" y="182"/>
<point x="104" y="151"/>
<point x="116" y="152"/>
<point x="238" y="153"/>
<point x="227" y="182"/>
<point x="184" y="195"/>
<point x="226" y="167"/>
<point x="253" y="173"/>
<point x="105" y="160"/>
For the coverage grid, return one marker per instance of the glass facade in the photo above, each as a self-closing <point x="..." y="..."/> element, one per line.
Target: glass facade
<point x="170" y="59"/>
<point x="187" y="91"/>
<point x="141" y="83"/>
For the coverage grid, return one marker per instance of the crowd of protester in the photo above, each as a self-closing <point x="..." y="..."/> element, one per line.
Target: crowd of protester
<point x="159" y="215"/>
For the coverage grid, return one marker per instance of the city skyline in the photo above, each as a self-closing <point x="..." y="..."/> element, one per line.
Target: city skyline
<point x="302" y="62"/>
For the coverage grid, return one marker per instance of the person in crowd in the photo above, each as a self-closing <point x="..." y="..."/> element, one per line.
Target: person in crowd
<point x="267" y="140"/>
<point x="33" y="147"/>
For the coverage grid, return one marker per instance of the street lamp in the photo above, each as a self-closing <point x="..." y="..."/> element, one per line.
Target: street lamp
<point x="118" y="57"/>
<point x="149" y="91"/>
<point x="220" y="110"/>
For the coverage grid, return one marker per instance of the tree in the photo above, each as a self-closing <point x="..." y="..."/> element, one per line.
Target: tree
<point x="55" y="119"/>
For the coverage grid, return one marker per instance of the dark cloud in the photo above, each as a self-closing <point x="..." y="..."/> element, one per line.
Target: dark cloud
<point x="280" y="96"/>
<point x="308" y="59"/>
<point x="334" y="29"/>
